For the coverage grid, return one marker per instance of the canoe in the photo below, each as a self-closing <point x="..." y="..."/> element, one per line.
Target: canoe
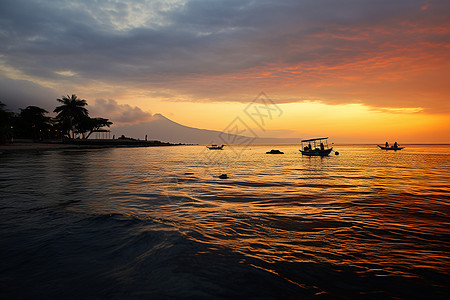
<point x="390" y="148"/>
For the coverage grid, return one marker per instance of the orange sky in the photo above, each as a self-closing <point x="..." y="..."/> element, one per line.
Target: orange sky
<point x="365" y="71"/>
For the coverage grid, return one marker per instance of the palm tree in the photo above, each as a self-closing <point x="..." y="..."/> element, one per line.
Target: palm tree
<point x="71" y="113"/>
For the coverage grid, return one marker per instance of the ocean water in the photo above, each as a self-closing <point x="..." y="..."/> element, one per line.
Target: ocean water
<point x="157" y="223"/>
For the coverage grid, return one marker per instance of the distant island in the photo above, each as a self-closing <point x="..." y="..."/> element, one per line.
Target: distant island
<point x="162" y="128"/>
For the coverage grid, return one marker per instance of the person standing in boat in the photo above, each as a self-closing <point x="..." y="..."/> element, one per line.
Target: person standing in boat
<point x="322" y="147"/>
<point x="395" y="145"/>
<point x="387" y="145"/>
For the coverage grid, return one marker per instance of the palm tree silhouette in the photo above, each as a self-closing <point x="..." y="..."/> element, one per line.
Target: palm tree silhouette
<point x="71" y="113"/>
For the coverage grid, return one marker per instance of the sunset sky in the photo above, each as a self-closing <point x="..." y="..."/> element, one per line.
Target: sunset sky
<point x="354" y="70"/>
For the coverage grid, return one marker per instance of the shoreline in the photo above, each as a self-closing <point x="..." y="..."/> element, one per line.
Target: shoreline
<point x="24" y="145"/>
<point x="81" y="144"/>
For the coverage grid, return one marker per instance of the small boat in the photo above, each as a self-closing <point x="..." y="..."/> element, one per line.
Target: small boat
<point x="215" y="147"/>
<point x="316" y="147"/>
<point x="390" y="148"/>
<point x="274" y="151"/>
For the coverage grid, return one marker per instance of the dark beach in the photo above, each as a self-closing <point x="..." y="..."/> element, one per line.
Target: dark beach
<point x="81" y="144"/>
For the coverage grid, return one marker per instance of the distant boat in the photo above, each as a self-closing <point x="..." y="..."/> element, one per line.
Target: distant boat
<point x="316" y="147"/>
<point x="390" y="148"/>
<point x="273" y="151"/>
<point x="215" y="147"/>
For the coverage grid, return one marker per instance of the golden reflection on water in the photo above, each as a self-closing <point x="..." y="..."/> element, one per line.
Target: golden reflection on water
<point x="367" y="212"/>
<point x="364" y="207"/>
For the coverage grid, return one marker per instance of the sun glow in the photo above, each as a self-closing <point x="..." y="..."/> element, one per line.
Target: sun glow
<point x="345" y="123"/>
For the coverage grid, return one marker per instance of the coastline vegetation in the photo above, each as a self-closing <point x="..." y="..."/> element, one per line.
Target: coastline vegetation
<point x="72" y="121"/>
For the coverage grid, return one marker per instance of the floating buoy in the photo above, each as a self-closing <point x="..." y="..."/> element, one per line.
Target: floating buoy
<point x="223" y="176"/>
<point x="336" y="153"/>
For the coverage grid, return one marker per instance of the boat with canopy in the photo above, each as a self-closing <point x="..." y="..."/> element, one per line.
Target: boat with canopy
<point x="316" y="147"/>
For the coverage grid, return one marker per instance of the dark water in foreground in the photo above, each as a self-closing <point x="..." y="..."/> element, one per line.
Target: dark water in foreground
<point x="152" y="223"/>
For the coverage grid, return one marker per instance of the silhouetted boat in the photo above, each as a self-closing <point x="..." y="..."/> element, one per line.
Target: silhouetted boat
<point x="318" y="148"/>
<point x="273" y="151"/>
<point x="390" y="148"/>
<point x="215" y="147"/>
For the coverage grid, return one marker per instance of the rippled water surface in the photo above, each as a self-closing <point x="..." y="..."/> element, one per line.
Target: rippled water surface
<point x="141" y="223"/>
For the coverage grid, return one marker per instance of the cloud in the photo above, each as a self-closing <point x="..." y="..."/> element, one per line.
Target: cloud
<point x="118" y="113"/>
<point x="22" y="93"/>
<point x="377" y="52"/>
<point x="425" y="5"/>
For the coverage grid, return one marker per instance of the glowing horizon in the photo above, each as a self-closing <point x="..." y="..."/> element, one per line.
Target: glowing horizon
<point x="360" y="72"/>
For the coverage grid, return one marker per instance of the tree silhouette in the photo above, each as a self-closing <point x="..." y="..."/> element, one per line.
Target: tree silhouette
<point x="72" y="118"/>
<point x="32" y="123"/>
<point x="71" y="114"/>
<point x="5" y="123"/>
<point x="88" y="125"/>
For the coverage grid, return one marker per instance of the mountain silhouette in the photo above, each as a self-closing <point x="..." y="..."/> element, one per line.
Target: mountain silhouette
<point x="163" y="129"/>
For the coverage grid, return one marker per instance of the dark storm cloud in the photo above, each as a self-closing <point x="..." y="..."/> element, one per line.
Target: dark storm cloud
<point x="153" y="45"/>
<point x="41" y="39"/>
<point x="201" y="37"/>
